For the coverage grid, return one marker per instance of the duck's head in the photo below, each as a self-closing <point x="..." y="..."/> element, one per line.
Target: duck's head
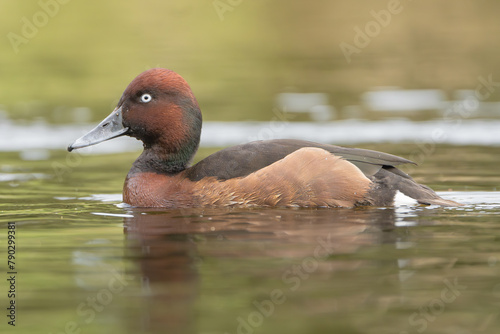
<point x="158" y="108"/>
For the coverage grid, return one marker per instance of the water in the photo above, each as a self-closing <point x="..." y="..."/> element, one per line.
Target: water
<point x="36" y="137"/>
<point x="86" y="262"/>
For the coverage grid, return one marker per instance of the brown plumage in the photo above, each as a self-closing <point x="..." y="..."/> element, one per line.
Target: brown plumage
<point x="159" y="108"/>
<point x="308" y="177"/>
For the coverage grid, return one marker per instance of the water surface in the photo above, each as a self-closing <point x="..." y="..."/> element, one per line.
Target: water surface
<point x="87" y="262"/>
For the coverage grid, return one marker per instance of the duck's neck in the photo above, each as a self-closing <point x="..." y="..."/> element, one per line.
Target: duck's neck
<point x="170" y="146"/>
<point x="156" y="159"/>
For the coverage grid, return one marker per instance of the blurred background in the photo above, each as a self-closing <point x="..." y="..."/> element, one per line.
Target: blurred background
<point x="239" y="55"/>
<point x="419" y="79"/>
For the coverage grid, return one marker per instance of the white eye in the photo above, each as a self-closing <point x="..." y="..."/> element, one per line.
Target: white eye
<point x="145" y="98"/>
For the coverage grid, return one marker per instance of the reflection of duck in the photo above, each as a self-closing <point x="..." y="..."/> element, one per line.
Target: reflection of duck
<point x="167" y="270"/>
<point x="159" y="109"/>
<point x="183" y="254"/>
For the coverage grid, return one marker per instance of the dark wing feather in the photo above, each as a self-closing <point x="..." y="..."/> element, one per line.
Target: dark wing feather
<point x="242" y="160"/>
<point x="390" y="179"/>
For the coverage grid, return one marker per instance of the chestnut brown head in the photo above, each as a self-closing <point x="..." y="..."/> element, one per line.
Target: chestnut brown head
<point x="158" y="108"/>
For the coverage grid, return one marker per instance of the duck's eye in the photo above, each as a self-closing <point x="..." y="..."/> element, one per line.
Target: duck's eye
<point x="145" y="98"/>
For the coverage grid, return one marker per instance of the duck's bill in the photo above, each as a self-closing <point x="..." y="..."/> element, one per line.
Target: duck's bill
<point x="111" y="127"/>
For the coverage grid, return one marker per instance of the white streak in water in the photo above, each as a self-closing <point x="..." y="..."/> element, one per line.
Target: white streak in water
<point x="40" y="135"/>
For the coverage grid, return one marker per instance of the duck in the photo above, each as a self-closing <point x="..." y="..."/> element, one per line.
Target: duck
<point x="159" y="108"/>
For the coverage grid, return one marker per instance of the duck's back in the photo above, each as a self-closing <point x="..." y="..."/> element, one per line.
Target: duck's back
<point x="243" y="160"/>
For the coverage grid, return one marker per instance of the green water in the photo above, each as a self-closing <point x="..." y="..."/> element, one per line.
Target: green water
<point x="85" y="264"/>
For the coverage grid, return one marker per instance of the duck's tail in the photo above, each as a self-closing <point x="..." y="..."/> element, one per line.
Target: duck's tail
<point x="389" y="179"/>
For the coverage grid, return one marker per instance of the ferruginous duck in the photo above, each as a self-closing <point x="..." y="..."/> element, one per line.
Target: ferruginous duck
<point x="159" y="108"/>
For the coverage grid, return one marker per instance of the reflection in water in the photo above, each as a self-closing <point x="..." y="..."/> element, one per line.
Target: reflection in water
<point x="166" y="257"/>
<point x="170" y="246"/>
<point x="252" y="270"/>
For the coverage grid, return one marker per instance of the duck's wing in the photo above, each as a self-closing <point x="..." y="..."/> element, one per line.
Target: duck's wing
<point x="242" y="160"/>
